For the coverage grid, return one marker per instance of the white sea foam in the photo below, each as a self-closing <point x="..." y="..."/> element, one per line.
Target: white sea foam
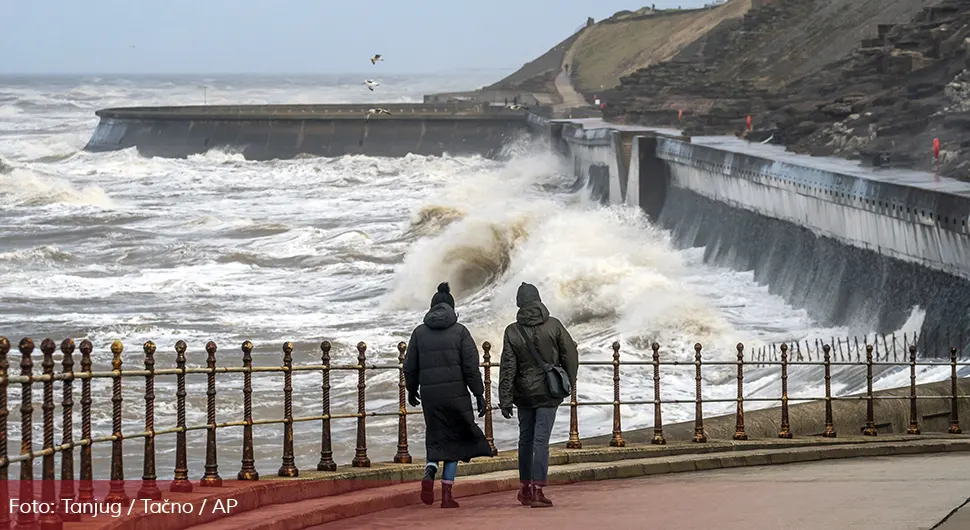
<point x="29" y="187"/>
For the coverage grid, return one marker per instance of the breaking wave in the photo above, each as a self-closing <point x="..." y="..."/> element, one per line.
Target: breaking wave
<point x="26" y="187"/>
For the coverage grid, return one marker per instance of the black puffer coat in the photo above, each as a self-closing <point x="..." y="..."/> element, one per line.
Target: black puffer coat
<point x="522" y="381"/>
<point x="442" y="364"/>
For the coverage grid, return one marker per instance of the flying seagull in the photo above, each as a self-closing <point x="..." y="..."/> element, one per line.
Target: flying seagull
<point x="371" y="84"/>
<point x="371" y="112"/>
<point x="378" y="110"/>
<point x="375" y="58"/>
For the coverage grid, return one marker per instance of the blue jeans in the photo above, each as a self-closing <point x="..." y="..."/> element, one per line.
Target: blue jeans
<point x="535" y="428"/>
<point x="449" y="471"/>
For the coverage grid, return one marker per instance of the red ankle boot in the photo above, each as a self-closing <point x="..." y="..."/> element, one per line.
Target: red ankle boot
<point x="539" y="500"/>
<point x="447" y="500"/>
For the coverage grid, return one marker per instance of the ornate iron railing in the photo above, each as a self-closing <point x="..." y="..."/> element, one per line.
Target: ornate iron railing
<point x="821" y="355"/>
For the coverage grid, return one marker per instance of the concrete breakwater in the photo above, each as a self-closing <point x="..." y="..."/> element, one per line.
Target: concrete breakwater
<point x="850" y="246"/>
<point x="264" y="132"/>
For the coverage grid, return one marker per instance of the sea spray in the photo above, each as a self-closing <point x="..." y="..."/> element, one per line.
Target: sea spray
<point x="213" y="247"/>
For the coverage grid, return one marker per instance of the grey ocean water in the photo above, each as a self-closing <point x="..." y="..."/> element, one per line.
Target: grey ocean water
<point x="117" y="246"/>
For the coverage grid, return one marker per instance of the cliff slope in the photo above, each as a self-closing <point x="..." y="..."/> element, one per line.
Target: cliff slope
<point x="607" y="50"/>
<point x="629" y="41"/>
<point x="885" y="103"/>
<point x="538" y="75"/>
<point x="868" y="79"/>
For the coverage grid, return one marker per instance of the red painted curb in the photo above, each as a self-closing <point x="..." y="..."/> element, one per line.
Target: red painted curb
<point x="314" y="512"/>
<point x="248" y="496"/>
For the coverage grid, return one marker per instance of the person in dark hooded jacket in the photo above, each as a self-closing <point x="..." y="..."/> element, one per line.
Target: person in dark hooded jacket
<point x="440" y="367"/>
<point x="522" y="382"/>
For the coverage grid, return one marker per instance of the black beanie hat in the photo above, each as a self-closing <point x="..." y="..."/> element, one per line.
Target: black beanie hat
<point x="443" y="296"/>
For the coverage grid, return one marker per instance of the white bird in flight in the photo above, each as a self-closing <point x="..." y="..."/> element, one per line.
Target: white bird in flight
<point x="378" y="110"/>
<point x="371" y="84"/>
<point x="375" y="58"/>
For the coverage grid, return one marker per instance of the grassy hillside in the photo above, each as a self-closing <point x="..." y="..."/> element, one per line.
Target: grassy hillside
<point x="539" y="72"/>
<point x="612" y="49"/>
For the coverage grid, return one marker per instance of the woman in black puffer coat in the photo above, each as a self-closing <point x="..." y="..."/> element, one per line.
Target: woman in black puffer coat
<point x="440" y="367"/>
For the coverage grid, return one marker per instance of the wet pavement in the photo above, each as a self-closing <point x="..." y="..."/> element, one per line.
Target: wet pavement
<point x="886" y="493"/>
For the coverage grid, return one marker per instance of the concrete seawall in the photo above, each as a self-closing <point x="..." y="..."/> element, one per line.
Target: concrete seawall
<point x="850" y="246"/>
<point x="264" y="132"/>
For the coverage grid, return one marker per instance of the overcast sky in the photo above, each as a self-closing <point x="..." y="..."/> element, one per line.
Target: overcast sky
<point x="287" y="36"/>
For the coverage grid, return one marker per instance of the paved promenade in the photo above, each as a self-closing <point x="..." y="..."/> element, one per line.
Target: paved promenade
<point x="581" y="484"/>
<point x="885" y="493"/>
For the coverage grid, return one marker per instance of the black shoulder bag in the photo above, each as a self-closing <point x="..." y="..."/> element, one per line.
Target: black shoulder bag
<point x="556" y="377"/>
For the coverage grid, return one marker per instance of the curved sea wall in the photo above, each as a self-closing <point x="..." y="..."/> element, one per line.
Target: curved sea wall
<point x="849" y="246"/>
<point x="264" y="132"/>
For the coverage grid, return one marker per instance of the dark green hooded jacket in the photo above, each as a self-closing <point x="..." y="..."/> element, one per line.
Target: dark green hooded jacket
<point x="522" y="381"/>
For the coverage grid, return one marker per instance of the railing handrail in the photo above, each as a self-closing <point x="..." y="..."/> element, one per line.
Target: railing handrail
<point x="760" y="358"/>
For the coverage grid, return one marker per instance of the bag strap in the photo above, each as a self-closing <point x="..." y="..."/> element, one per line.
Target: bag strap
<point x="532" y="348"/>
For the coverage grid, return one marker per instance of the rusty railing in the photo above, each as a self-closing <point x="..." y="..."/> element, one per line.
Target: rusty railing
<point x="868" y="355"/>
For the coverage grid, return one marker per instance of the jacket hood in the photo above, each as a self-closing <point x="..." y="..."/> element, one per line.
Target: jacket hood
<point x="441" y="316"/>
<point x="532" y="314"/>
<point x="527" y="294"/>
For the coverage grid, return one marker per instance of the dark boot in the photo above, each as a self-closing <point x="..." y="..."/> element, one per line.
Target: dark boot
<point x="539" y="500"/>
<point x="427" y="485"/>
<point x="525" y="494"/>
<point x="447" y="501"/>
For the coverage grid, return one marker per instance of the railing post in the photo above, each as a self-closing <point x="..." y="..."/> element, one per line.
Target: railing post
<point x="288" y="467"/>
<point x="739" y="433"/>
<point x="49" y="520"/>
<point x="785" y="431"/>
<point x="25" y="518"/>
<point x="954" y="416"/>
<point x="913" y="420"/>
<point x="402" y="456"/>
<point x="489" y="435"/>
<point x="870" y="429"/>
<point x="617" y="439"/>
<point x="67" y="433"/>
<point x="360" y="454"/>
<point x="829" y="426"/>
<point x="326" y="450"/>
<point x="699" y="435"/>
<point x="574" y="442"/>
<point x="658" y="424"/>
<point x="85" y="488"/>
<point x="181" y="482"/>
<point x="4" y="414"/>
<point x="248" y="469"/>
<point x="211" y="478"/>
<point x="116" y="486"/>
<point x="149" y="486"/>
